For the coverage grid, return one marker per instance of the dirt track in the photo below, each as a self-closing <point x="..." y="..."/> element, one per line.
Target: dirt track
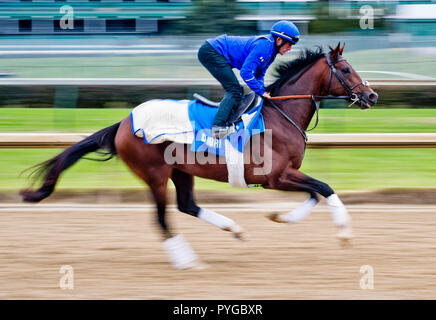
<point x="118" y="254"/>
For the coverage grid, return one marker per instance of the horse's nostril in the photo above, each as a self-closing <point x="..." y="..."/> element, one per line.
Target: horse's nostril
<point x="373" y="97"/>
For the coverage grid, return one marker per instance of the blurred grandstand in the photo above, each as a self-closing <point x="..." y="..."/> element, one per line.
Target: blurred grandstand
<point x="122" y="52"/>
<point x="151" y="17"/>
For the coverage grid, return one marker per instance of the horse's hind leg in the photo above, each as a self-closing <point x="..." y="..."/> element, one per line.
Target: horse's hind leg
<point x="179" y="252"/>
<point x="294" y="180"/>
<point x="184" y="184"/>
<point x="147" y="162"/>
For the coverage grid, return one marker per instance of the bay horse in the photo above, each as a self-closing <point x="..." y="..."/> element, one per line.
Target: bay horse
<point x="314" y="73"/>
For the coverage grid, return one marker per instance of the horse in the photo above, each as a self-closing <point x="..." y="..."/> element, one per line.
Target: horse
<point x="314" y="73"/>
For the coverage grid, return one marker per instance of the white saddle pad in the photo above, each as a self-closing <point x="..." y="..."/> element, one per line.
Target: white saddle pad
<point x="161" y="120"/>
<point x="158" y="120"/>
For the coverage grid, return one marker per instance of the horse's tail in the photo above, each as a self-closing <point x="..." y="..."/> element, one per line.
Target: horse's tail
<point x="52" y="168"/>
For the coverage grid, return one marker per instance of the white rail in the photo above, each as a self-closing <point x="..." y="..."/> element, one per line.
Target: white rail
<point x="328" y="140"/>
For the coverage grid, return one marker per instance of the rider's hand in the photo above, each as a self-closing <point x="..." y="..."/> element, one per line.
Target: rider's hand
<point x="266" y="95"/>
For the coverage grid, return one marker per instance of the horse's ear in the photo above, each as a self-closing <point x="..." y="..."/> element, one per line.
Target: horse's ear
<point x="335" y="52"/>
<point x="341" y="49"/>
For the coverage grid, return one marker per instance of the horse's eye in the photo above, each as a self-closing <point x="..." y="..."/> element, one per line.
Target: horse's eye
<point x="346" y="70"/>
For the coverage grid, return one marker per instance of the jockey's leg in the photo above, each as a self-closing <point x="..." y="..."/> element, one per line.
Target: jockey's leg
<point x="294" y="180"/>
<point x="218" y="67"/>
<point x="184" y="184"/>
<point x="231" y="100"/>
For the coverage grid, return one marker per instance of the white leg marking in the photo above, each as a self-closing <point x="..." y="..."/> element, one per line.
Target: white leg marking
<point x="180" y="253"/>
<point x="216" y="219"/>
<point x="340" y="217"/>
<point x="339" y="212"/>
<point x="221" y="222"/>
<point x="299" y="213"/>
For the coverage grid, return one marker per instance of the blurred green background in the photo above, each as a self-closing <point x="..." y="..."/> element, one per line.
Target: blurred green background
<point x="343" y="169"/>
<point x="121" y="53"/>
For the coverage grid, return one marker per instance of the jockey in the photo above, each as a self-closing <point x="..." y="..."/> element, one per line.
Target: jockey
<point x="252" y="56"/>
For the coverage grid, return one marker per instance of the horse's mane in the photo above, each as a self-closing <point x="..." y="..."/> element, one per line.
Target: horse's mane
<point x="287" y="70"/>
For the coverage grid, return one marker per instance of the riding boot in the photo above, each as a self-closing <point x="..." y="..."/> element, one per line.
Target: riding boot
<point x="221" y="128"/>
<point x="221" y="70"/>
<point x="223" y="131"/>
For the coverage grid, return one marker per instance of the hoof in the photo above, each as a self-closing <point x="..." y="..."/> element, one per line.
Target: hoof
<point x="345" y="235"/>
<point x="180" y="253"/>
<point x="277" y="218"/>
<point x="237" y="231"/>
<point x="195" y="265"/>
<point x="346" y="243"/>
<point x="200" y="266"/>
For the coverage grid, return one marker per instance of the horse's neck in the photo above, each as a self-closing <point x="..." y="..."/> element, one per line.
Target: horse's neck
<point x="308" y="83"/>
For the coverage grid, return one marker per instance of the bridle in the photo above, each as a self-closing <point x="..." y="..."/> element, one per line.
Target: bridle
<point x="352" y="96"/>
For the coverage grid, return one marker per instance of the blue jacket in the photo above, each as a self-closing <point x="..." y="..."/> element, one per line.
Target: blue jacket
<point x="251" y="55"/>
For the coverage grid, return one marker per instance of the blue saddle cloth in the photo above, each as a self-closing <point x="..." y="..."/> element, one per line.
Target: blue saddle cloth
<point x="202" y="116"/>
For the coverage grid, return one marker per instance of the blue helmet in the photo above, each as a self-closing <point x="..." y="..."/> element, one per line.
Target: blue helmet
<point x="286" y="30"/>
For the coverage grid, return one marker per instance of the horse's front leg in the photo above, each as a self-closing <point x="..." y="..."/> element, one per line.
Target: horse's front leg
<point x="293" y="180"/>
<point x="299" y="213"/>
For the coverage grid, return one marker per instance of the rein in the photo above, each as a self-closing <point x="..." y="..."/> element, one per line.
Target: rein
<point x="354" y="97"/>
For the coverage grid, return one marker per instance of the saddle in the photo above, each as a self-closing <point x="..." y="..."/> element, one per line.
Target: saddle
<point x="247" y="103"/>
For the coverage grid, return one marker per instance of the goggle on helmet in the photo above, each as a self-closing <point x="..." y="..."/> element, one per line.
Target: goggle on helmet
<point x="286" y="30"/>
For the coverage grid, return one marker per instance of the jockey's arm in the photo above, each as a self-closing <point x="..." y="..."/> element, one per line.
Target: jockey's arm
<point x="261" y="78"/>
<point x="250" y="69"/>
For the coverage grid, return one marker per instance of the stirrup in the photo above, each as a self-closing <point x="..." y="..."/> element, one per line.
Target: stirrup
<point x="222" y="131"/>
